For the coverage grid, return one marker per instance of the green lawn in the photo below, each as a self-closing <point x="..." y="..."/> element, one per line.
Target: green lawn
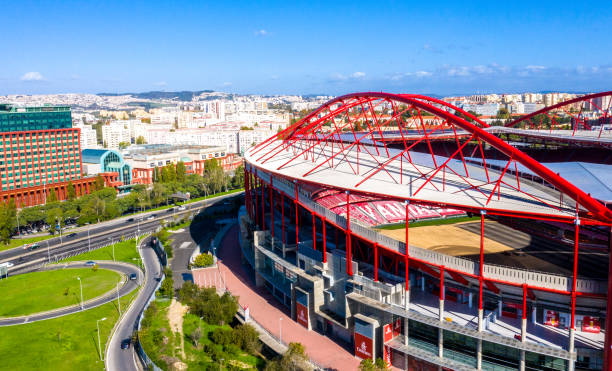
<point x="125" y="251"/>
<point x="431" y="222"/>
<point x="41" y="291"/>
<point x="16" y="242"/>
<point x="64" y="343"/>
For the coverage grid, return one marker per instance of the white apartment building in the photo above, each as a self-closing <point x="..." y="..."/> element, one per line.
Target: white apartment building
<point x="89" y="137"/>
<point x="114" y="133"/>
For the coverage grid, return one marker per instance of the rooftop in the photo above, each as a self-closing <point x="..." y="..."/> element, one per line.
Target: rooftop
<point x="11" y="108"/>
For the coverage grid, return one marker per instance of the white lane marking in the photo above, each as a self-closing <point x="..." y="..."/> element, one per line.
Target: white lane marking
<point x="185" y="245"/>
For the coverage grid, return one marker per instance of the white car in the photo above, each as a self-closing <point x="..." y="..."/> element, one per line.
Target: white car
<point x="181" y="208"/>
<point x="9" y="264"/>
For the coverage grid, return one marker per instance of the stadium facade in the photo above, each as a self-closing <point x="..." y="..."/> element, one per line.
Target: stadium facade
<point x="318" y="193"/>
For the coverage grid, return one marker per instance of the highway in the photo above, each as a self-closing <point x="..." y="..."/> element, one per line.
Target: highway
<point x="96" y="235"/>
<point x="126" y="359"/>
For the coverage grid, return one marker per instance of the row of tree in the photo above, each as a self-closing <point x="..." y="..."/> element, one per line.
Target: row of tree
<point x="104" y="203"/>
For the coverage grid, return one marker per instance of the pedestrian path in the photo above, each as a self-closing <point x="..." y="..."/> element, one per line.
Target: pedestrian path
<point x="270" y="314"/>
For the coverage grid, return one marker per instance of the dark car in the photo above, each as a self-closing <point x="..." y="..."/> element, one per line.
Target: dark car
<point x="72" y="235"/>
<point x="125" y="344"/>
<point x="130" y="220"/>
<point x="133" y="276"/>
<point x="34" y="246"/>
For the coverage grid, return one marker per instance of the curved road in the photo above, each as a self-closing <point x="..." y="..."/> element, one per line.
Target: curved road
<point x="126" y="359"/>
<point x="127" y="287"/>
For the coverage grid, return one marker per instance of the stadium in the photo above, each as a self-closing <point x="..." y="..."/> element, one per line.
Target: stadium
<point x="405" y="228"/>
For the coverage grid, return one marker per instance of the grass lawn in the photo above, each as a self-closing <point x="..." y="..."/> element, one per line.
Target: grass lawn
<point x="41" y="291"/>
<point x="16" y="242"/>
<point x="426" y="223"/>
<point x="64" y="343"/>
<point x="125" y="251"/>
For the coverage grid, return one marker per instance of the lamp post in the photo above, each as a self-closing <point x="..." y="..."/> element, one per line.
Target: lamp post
<point x="118" y="302"/>
<point x="81" y="285"/>
<point x="88" y="239"/>
<point x="48" y="252"/>
<point x="280" y="327"/>
<point x="98" y="327"/>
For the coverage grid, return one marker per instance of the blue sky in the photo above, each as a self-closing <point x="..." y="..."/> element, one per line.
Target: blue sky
<point x="310" y="47"/>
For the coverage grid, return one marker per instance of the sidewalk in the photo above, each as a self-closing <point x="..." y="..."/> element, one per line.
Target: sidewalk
<point x="265" y="309"/>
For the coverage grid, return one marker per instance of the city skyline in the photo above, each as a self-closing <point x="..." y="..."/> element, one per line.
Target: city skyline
<point x="278" y="48"/>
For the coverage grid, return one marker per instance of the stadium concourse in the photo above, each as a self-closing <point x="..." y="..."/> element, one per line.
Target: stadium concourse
<point x="520" y="284"/>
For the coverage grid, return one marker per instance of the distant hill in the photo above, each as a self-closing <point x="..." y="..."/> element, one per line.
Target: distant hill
<point x="179" y="95"/>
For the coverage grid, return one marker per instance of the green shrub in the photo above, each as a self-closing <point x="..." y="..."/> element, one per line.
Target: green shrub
<point x="203" y="260"/>
<point x="221" y="336"/>
<point x="247" y="338"/>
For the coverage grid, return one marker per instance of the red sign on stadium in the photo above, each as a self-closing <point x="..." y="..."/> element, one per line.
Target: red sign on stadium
<point x="551" y="318"/>
<point x="302" y="314"/>
<point x="387" y="332"/>
<point x="363" y="346"/>
<point x="591" y="324"/>
<point x="387" y="354"/>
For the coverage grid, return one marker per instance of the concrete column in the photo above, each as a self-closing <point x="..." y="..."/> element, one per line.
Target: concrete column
<point x="479" y="355"/>
<point x="440" y="343"/>
<point x="470" y="296"/>
<point x="524" y="329"/>
<point x="407" y="300"/>
<point x="522" y="362"/>
<point x="480" y="318"/>
<point x="423" y="283"/>
<point x="499" y="307"/>
<point x="572" y="334"/>
<point x="441" y="310"/>
<point x="406" y="331"/>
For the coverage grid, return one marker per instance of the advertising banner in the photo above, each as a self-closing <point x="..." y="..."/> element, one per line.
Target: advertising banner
<point x="591" y="324"/>
<point x="397" y="327"/>
<point x="387" y="332"/>
<point x="551" y="318"/>
<point x="363" y="346"/>
<point x="302" y="314"/>
<point x="387" y="355"/>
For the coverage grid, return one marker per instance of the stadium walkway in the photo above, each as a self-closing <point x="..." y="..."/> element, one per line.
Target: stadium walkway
<point x="266" y="310"/>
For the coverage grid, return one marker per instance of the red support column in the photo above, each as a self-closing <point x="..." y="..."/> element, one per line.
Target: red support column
<point x="481" y="270"/>
<point x="575" y="273"/>
<point x="324" y="241"/>
<point x="283" y="215"/>
<point x="349" y="267"/>
<point x="407" y="254"/>
<point x="608" y="339"/>
<point x="246" y="192"/>
<point x="257" y="202"/>
<point x="297" y="218"/>
<point x="263" y="206"/>
<point x="271" y="196"/>
<point x="314" y="231"/>
<point x="442" y="283"/>
<point x="375" y="262"/>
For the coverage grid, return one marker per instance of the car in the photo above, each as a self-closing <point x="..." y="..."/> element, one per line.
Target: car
<point x="9" y="264"/>
<point x="34" y="246"/>
<point x="181" y="208"/>
<point x="170" y="210"/>
<point x="71" y="235"/>
<point x="125" y="343"/>
<point x="90" y="263"/>
<point x="151" y="217"/>
<point x="130" y="220"/>
<point x="133" y="276"/>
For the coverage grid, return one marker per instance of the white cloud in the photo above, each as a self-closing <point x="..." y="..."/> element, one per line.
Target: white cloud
<point x="160" y="83"/>
<point x="261" y="32"/>
<point x="227" y="83"/>
<point x="32" y="76"/>
<point x="358" y="75"/>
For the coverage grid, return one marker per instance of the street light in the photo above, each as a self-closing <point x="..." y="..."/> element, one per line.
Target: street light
<point x="118" y="302"/>
<point x="80" y="284"/>
<point x="48" y="253"/>
<point x="88" y="239"/>
<point x="280" y="326"/>
<point x="98" y="327"/>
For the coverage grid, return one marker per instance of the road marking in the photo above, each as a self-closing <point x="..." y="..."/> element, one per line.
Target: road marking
<point x="185" y="245"/>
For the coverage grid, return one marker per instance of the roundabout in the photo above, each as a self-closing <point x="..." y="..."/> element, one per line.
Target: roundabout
<point x="62" y="291"/>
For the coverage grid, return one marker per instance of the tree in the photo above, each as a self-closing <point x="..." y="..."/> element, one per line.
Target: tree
<point x="167" y="287"/>
<point x="238" y="179"/>
<point x="203" y="260"/>
<point x="503" y="114"/>
<point x="368" y="365"/>
<point x="181" y="171"/>
<point x="55" y="218"/>
<point x="98" y="183"/>
<point x="124" y="145"/>
<point x="294" y="359"/>
<point x="8" y="213"/>
<point x="52" y="196"/>
<point x="70" y="191"/>
<point x="141" y="140"/>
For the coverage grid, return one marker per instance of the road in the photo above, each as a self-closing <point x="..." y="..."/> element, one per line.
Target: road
<point x="127" y="287"/>
<point x="126" y="359"/>
<point x="96" y="236"/>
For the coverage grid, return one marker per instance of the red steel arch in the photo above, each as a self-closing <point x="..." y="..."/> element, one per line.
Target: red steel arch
<point x="559" y="110"/>
<point x="367" y="117"/>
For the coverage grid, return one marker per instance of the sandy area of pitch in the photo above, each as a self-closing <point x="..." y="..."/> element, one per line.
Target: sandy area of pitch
<point x="448" y="239"/>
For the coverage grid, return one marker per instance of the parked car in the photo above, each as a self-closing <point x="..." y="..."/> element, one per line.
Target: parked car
<point x="34" y="246"/>
<point x="130" y="220"/>
<point x="90" y="263"/>
<point x="133" y="276"/>
<point x="181" y="208"/>
<point x="71" y="235"/>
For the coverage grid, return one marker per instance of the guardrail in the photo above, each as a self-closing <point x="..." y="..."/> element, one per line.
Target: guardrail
<point x="509" y="274"/>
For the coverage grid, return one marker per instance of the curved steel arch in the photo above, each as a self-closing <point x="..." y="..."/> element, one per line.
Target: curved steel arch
<point x="308" y="138"/>
<point x="561" y="105"/>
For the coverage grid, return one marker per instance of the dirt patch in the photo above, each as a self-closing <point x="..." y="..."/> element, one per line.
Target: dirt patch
<point x="176" y="311"/>
<point x="447" y="239"/>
